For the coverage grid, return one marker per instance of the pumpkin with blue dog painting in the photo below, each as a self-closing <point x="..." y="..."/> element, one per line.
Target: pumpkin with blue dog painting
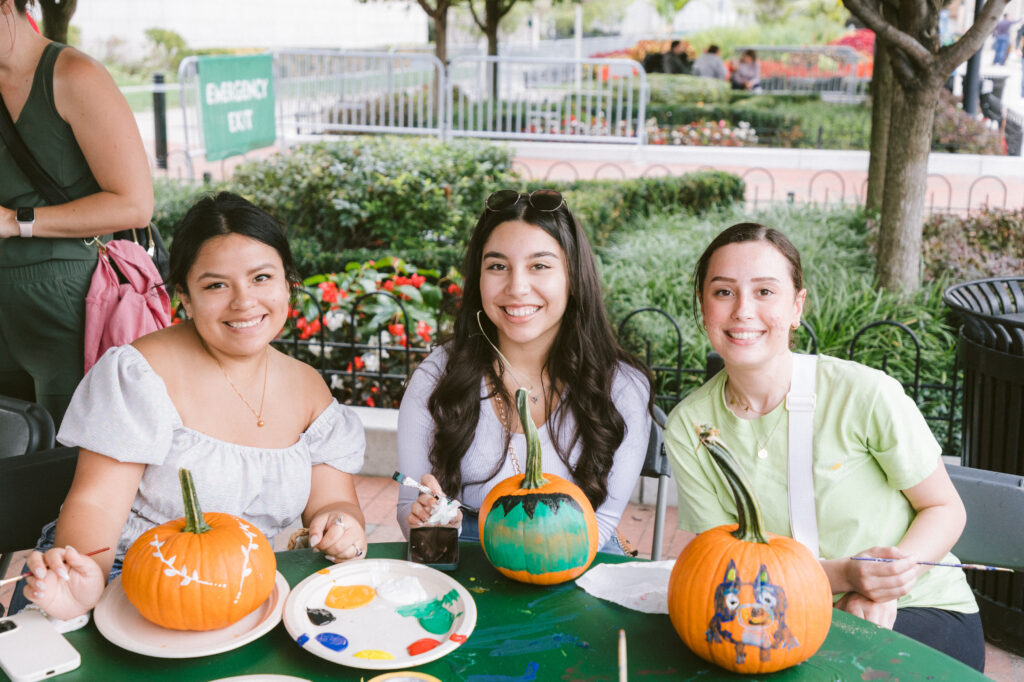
<point x="744" y="599"/>
<point x="535" y="527"/>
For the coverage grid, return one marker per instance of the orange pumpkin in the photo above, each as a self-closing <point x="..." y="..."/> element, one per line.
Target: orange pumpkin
<point x="534" y="527"/>
<point x="200" y="572"/>
<point x="741" y="598"/>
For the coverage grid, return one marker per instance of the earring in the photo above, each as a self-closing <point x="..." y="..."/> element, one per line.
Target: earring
<point x="795" y="325"/>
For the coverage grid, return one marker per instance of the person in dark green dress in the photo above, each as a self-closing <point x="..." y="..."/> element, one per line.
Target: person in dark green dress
<point x="79" y="127"/>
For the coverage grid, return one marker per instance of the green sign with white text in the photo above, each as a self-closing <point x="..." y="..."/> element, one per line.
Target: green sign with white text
<point x="236" y="96"/>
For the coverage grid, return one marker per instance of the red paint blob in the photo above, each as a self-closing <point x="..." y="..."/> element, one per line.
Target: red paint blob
<point x="458" y="638"/>
<point x="422" y="646"/>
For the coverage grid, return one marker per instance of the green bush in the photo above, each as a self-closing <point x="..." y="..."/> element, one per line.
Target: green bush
<point x="378" y="192"/>
<point x="607" y="206"/>
<point x="171" y="201"/>
<point x="668" y="90"/>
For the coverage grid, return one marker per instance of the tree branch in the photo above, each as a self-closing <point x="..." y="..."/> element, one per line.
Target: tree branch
<point x="476" y="20"/>
<point x="896" y="38"/>
<point x="956" y="54"/>
<point x="505" y="8"/>
<point x="432" y="12"/>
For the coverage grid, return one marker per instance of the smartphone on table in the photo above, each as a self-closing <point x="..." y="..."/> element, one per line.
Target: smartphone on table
<point x="31" y="648"/>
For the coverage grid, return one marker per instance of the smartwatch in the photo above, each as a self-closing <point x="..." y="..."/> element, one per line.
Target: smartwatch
<point x="26" y="218"/>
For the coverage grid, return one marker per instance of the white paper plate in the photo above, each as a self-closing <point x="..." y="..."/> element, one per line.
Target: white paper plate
<point x="123" y="625"/>
<point x="439" y="615"/>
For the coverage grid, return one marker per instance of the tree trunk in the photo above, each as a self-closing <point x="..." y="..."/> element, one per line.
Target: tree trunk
<point x="899" y="245"/>
<point x="56" y="18"/>
<point x="492" y="15"/>
<point x="881" y="118"/>
<point x="441" y="33"/>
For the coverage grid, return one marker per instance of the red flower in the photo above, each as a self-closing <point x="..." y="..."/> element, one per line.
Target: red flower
<point x="359" y="364"/>
<point x="329" y="291"/>
<point x="423" y="331"/>
<point x="396" y="329"/>
<point x="454" y="289"/>
<point x="389" y="285"/>
<point x="417" y="280"/>
<point x="309" y="329"/>
<point x="370" y="402"/>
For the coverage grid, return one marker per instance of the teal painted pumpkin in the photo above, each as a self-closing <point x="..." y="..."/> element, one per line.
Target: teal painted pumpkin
<point x="534" y="527"/>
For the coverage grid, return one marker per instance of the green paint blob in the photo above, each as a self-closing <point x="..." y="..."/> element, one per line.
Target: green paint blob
<point x="433" y="616"/>
<point x="546" y="538"/>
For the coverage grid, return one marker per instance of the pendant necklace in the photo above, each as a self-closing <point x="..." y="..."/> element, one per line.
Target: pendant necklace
<point x="762" y="446"/>
<point x="263" y="394"/>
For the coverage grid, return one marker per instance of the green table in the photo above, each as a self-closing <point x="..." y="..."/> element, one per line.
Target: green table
<point x="526" y="633"/>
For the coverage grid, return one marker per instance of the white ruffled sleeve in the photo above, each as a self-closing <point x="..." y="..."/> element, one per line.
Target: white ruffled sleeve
<point x="121" y="409"/>
<point x="336" y="438"/>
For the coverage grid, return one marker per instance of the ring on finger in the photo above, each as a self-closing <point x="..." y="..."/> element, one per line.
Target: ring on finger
<point x="359" y="551"/>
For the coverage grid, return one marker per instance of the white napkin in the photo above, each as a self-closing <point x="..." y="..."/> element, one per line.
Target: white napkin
<point x="638" y="585"/>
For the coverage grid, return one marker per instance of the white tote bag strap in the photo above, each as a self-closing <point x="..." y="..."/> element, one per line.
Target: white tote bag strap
<point x="800" y="403"/>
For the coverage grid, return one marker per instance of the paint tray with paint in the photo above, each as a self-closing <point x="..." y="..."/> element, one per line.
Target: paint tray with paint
<point x="379" y="614"/>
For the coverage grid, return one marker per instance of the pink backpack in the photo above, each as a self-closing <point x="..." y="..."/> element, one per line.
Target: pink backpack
<point x="118" y="313"/>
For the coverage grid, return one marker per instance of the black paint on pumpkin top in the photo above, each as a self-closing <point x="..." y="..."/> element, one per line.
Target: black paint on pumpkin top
<point x="529" y="502"/>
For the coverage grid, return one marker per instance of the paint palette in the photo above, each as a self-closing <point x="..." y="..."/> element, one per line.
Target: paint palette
<point x="121" y="623"/>
<point x="379" y="614"/>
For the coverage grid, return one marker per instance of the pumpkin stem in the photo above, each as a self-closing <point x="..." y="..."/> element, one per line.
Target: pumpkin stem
<point x="534" y="477"/>
<point x="748" y="509"/>
<point x="195" y="522"/>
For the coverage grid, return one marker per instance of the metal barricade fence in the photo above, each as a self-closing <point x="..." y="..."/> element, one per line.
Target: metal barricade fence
<point x="529" y="98"/>
<point x="189" y="100"/>
<point x="323" y="92"/>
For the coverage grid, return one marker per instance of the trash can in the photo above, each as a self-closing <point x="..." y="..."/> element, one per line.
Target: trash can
<point x="991" y="354"/>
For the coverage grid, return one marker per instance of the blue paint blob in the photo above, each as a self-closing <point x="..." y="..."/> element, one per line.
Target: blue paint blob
<point x="332" y="641"/>
<point x="303" y="638"/>
<point x="517" y="647"/>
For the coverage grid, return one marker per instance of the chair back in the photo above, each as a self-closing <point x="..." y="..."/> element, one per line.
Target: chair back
<point x="995" y="504"/>
<point x="656" y="466"/>
<point x="32" y="488"/>
<point x="24" y="427"/>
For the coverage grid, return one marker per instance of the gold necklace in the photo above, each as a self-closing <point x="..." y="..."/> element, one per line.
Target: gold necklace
<point x="762" y="447"/>
<point x="263" y="395"/>
<point x="503" y="416"/>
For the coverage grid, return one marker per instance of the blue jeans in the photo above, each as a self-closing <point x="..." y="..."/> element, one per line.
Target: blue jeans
<point x="1002" y="46"/>
<point x="45" y="542"/>
<point x="471" y="533"/>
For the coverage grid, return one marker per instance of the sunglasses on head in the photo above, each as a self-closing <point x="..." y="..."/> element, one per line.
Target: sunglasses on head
<point x="545" y="200"/>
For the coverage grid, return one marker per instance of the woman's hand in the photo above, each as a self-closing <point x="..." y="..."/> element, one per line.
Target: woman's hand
<point x="882" y="581"/>
<point x="64" y="582"/>
<point x="882" y="614"/>
<point x="424" y="506"/>
<point x="8" y="224"/>
<point x="340" y="536"/>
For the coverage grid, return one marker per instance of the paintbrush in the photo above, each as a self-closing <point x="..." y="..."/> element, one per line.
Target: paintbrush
<point x="410" y="482"/>
<point x="971" y="567"/>
<point x="27" y="573"/>
<point x="623" y="672"/>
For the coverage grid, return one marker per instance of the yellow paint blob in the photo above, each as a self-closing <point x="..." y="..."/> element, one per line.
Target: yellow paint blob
<point x="324" y="571"/>
<point x="374" y="654"/>
<point x="349" y="596"/>
<point x="836" y="466"/>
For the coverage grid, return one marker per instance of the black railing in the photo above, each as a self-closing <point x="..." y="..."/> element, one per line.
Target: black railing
<point x="939" y="402"/>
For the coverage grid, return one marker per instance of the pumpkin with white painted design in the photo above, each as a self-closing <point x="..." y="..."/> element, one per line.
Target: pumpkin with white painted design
<point x="199" y="572"/>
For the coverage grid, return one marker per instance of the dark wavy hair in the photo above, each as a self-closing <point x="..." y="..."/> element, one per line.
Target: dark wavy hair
<point x="582" y="363"/>
<point x="225" y="213"/>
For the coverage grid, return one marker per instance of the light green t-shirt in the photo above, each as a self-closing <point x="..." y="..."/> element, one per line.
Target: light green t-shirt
<point x="870" y="442"/>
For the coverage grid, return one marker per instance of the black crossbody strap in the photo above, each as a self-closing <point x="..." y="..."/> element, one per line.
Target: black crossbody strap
<point x="40" y="179"/>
